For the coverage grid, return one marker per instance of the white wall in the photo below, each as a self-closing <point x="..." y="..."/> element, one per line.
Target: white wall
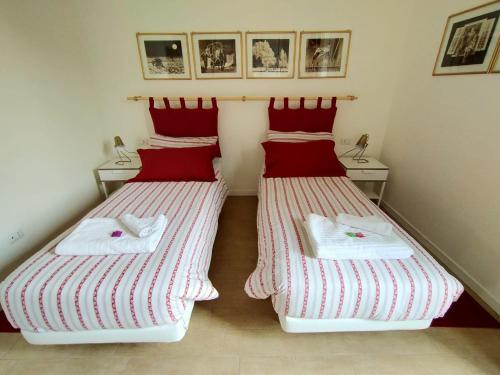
<point x="442" y="148"/>
<point x="50" y="135"/>
<point x="377" y="44"/>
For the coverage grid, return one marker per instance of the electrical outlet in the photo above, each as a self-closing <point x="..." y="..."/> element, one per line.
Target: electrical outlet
<point x="16" y="236"/>
<point x="346" y="141"/>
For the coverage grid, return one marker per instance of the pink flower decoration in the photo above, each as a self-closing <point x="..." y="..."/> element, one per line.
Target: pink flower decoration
<point x="117" y="233"/>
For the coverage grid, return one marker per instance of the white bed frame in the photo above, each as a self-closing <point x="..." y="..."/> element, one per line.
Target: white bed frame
<point x="166" y="333"/>
<point x="300" y="325"/>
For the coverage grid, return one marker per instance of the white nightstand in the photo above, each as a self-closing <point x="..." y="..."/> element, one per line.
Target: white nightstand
<point x="112" y="172"/>
<point x="373" y="171"/>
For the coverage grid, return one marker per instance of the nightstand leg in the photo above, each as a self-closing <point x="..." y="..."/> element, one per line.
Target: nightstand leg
<point x="104" y="189"/>
<point x="381" y="194"/>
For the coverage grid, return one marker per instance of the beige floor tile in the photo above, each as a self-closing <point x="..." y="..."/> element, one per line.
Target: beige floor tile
<point x="196" y="342"/>
<point x="202" y="317"/>
<point x="6" y="365"/>
<point x="388" y="364"/>
<point x="195" y="365"/>
<point x="391" y="342"/>
<point x="277" y="343"/>
<point x="23" y="350"/>
<point x="71" y="366"/>
<point x="288" y="366"/>
<point x="7" y="341"/>
<point x="260" y="317"/>
<point x="470" y="341"/>
<point x="456" y="364"/>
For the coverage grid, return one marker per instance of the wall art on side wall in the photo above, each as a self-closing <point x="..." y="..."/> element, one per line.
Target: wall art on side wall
<point x="469" y="41"/>
<point x="164" y="55"/>
<point x="324" y="54"/>
<point x="217" y="55"/>
<point x="270" y="54"/>
<point x="495" y="66"/>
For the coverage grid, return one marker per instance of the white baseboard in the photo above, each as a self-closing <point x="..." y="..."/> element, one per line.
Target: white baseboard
<point x="242" y="192"/>
<point x="445" y="259"/>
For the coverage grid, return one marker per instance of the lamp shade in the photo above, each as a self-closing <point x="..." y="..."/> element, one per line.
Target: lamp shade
<point x="362" y="141"/>
<point x="118" y="142"/>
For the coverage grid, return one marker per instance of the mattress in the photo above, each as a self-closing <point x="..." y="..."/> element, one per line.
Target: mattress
<point x="301" y="286"/>
<point x="49" y="292"/>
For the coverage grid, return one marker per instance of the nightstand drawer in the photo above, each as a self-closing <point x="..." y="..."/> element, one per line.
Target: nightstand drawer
<point x="367" y="174"/>
<point x="117" y="174"/>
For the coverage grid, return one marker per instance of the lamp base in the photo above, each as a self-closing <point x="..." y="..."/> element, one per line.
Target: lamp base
<point x="359" y="156"/>
<point x="124" y="158"/>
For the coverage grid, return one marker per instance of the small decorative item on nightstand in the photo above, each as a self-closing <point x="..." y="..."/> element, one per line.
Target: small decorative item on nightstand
<point x="371" y="171"/>
<point x="111" y="171"/>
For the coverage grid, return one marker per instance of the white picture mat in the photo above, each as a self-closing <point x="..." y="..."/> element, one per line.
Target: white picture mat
<point x="141" y="38"/>
<point x="324" y="35"/>
<point x="250" y="36"/>
<point x="478" y="68"/>
<point x="217" y="36"/>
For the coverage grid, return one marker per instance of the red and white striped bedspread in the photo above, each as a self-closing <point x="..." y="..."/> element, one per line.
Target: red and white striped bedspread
<point x="301" y="286"/>
<point x="74" y="293"/>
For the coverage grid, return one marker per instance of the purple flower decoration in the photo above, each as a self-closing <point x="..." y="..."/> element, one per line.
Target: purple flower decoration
<point x="117" y="233"/>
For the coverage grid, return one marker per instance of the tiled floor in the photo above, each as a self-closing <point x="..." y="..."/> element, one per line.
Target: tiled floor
<point x="238" y="335"/>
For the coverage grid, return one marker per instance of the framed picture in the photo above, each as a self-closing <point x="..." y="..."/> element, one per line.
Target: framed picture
<point x="217" y="55"/>
<point x="469" y="41"/>
<point x="495" y="66"/>
<point x="324" y="54"/>
<point x="164" y="56"/>
<point x="270" y="54"/>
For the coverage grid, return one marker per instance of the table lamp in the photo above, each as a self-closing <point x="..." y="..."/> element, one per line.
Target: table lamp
<point x="121" y="152"/>
<point x="360" y="146"/>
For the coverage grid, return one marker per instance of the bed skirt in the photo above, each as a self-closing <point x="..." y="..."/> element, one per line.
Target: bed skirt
<point x="300" y="325"/>
<point x="165" y="333"/>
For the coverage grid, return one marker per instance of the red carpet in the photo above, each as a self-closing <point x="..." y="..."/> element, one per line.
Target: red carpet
<point x="5" y="325"/>
<point x="466" y="312"/>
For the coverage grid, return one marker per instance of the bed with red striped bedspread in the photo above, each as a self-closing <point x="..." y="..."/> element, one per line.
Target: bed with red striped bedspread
<point x="74" y="293"/>
<point x="301" y="286"/>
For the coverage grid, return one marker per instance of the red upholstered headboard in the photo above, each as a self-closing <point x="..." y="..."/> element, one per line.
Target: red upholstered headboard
<point x="302" y="119"/>
<point x="185" y="122"/>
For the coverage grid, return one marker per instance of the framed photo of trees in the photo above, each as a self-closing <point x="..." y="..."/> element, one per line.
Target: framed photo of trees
<point x="270" y="54"/>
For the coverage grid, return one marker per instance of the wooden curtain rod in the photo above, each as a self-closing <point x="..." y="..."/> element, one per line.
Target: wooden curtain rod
<point x="241" y="98"/>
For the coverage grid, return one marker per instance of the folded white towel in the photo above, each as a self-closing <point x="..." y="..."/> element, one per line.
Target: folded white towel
<point x="331" y="240"/>
<point x="93" y="237"/>
<point x="370" y="223"/>
<point x="143" y="226"/>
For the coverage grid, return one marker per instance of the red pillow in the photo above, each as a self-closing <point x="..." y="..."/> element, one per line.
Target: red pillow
<point x="176" y="164"/>
<point x="306" y="159"/>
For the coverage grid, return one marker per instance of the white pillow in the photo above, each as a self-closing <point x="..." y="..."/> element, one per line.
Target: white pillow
<point x="297" y="137"/>
<point x="162" y="141"/>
